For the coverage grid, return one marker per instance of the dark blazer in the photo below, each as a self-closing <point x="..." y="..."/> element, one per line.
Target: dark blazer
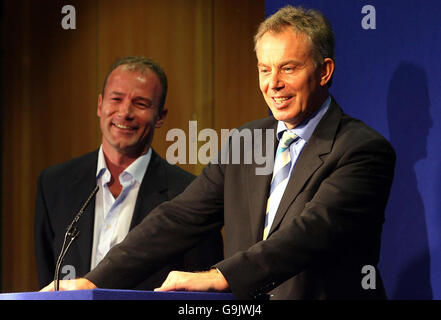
<point x="327" y="227"/>
<point x="62" y="190"/>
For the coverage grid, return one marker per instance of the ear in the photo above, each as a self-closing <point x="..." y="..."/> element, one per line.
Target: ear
<point x="161" y="117"/>
<point x="326" y="71"/>
<point x="100" y="102"/>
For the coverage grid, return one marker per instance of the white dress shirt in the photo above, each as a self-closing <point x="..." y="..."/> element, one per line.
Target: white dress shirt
<point x="114" y="216"/>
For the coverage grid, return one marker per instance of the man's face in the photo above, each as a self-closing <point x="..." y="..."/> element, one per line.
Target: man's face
<point x="291" y="84"/>
<point x="129" y="111"/>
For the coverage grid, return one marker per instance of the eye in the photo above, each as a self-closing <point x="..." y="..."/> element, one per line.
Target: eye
<point x="264" y="70"/>
<point x="288" y="69"/>
<point x="142" y="103"/>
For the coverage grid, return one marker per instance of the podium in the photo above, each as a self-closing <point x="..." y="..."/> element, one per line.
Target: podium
<point x="111" y="294"/>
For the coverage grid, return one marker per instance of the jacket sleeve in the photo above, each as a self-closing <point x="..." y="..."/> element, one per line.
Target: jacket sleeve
<point x="169" y="230"/>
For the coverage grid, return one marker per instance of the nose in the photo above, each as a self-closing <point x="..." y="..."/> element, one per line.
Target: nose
<point x="275" y="81"/>
<point x="126" y="109"/>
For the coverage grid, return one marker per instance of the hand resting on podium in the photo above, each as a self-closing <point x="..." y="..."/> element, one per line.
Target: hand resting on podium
<point x="211" y="280"/>
<point x="76" y="284"/>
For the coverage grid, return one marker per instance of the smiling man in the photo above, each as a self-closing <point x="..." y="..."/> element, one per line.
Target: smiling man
<point x="130" y="108"/>
<point x="305" y="232"/>
<point x="293" y="84"/>
<point x="132" y="180"/>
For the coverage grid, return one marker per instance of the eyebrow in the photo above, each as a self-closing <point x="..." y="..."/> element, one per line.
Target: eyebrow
<point x="136" y="98"/>
<point x="283" y="63"/>
<point x="117" y="93"/>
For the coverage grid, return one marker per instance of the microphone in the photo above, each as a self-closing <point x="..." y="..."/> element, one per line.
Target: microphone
<point x="72" y="233"/>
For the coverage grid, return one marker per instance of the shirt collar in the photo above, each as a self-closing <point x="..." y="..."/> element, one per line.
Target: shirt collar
<point x="136" y="169"/>
<point x="305" y="129"/>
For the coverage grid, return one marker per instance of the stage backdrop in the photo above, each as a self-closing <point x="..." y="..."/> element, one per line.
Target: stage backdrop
<point x="388" y="74"/>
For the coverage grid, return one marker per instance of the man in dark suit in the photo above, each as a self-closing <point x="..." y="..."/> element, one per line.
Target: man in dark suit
<point x="312" y="228"/>
<point x="132" y="178"/>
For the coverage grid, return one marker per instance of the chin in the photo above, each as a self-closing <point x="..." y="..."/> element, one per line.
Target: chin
<point x="282" y="116"/>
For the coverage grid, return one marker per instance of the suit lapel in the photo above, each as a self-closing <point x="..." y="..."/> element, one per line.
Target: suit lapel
<point x="151" y="191"/>
<point x="83" y="183"/>
<point x="309" y="160"/>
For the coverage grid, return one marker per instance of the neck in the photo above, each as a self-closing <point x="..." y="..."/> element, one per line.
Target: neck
<point x="122" y="158"/>
<point x="117" y="161"/>
<point x="317" y="103"/>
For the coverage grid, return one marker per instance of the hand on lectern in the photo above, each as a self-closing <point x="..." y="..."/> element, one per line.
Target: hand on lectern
<point x="212" y="280"/>
<point x="76" y="284"/>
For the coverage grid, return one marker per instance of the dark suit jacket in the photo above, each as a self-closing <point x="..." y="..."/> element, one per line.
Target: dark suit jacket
<point x="62" y="190"/>
<point x="327" y="227"/>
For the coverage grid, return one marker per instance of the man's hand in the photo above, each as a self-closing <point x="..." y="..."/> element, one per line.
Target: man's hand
<point x="77" y="284"/>
<point x="211" y="280"/>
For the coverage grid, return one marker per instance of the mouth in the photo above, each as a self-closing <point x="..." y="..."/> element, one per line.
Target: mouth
<point x="124" y="126"/>
<point x="282" y="101"/>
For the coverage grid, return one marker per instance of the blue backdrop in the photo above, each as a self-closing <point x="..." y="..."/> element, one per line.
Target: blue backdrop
<point x="388" y="74"/>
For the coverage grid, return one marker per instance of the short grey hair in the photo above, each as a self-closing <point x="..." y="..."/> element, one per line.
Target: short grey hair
<point x="310" y="22"/>
<point x="141" y="64"/>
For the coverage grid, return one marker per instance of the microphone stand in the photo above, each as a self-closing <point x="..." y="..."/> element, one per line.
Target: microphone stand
<point x="72" y="233"/>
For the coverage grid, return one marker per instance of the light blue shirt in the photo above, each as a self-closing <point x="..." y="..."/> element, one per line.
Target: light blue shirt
<point x="114" y="216"/>
<point x="304" y="131"/>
